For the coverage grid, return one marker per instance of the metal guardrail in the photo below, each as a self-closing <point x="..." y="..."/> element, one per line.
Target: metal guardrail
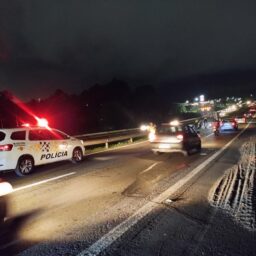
<point x="104" y="138"/>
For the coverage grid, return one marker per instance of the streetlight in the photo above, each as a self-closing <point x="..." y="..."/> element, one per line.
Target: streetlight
<point x="201" y="97"/>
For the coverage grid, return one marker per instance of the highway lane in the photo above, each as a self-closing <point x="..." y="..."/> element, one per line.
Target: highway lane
<point x="188" y="224"/>
<point x="105" y="189"/>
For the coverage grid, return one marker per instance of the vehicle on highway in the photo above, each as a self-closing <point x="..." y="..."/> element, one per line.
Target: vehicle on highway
<point x="10" y="225"/>
<point x="224" y="125"/>
<point x="252" y="111"/>
<point x="228" y="125"/>
<point x="175" y="137"/>
<point x="23" y="148"/>
<point x="215" y="129"/>
<point x="248" y="115"/>
<point x="241" y="119"/>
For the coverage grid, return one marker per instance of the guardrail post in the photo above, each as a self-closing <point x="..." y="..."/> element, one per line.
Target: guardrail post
<point x="106" y="144"/>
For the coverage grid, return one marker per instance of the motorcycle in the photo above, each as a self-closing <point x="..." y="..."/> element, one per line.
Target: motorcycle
<point x="216" y="130"/>
<point x="10" y="227"/>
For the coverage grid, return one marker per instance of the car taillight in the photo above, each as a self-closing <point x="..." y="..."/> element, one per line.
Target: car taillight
<point x="179" y="137"/>
<point x="233" y="123"/>
<point x="7" y="147"/>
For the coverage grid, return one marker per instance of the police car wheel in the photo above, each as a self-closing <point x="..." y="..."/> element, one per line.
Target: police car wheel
<point x="25" y="166"/>
<point x="77" y="155"/>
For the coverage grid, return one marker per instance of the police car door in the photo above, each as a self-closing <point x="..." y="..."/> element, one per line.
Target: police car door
<point x="63" y="144"/>
<point x="43" y="146"/>
<point x="39" y="145"/>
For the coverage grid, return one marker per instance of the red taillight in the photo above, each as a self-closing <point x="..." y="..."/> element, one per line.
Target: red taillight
<point x="179" y="137"/>
<point x="7" y="147"/>
<point x="233" y="123"/>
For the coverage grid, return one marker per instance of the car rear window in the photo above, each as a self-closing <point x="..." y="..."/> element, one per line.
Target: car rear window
<point x="40" y="135"/>
<point x="21" y="135"/>
<point x="2" y="136"/>
<point x="168" y="130"/>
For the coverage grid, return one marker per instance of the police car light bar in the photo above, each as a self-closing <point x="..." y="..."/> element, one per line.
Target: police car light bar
<point x="42" y="122"/>
<point x="25" y="125"/>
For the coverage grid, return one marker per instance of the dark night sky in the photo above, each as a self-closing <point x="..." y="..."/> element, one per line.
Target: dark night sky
<point x="49" y="44"/>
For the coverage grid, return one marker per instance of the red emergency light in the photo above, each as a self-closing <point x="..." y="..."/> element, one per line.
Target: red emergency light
<point x="42" y="122"/>
<point x="25" y="125"/>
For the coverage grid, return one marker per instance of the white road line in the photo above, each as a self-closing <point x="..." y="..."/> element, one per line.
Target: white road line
<point x="42" y="182"/>
<point x="105" y="241"/>
<point x="150" y="167"/>
<point x="208" y="135"/>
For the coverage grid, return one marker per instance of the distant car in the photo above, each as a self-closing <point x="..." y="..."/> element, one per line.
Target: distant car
<point x="176" y="137"/>
<point x="228" y="125"/>
<point x="240" y="120"/>
<point x="248" y="115"/>
<point x="23" y="148"/>
<point x="252" y="111"/>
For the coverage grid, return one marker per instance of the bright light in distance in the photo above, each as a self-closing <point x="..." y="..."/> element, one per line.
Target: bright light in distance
<point x="144" y="127"/>
<point x="174" y="122"/>
<point x="151" y="136"/>
<point x="5" y="188"/>
<point x="42" y="122"/>
<point x="201" y="97"/>
<point x="248" y="102"/>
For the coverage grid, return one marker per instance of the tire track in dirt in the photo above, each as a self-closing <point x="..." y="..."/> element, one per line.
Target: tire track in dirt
<point x="236" y="190"/>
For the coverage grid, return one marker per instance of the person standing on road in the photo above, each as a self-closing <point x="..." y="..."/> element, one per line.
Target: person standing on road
<point x="205" y="122"/>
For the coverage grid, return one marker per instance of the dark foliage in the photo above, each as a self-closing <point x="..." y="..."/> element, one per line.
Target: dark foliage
<point x="100" y="108"/>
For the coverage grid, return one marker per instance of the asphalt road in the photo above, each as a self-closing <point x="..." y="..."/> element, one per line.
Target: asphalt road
<point x="70" y="207"/>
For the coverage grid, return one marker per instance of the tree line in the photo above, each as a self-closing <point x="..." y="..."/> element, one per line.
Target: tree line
<point x="111" y="106"/>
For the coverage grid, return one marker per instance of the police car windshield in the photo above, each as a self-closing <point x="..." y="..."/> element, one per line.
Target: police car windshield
<point x="168" y="130"/>
<point x="2" y="136"/>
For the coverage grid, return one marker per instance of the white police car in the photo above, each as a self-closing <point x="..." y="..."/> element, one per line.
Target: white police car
<point x="23" y="148"/>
